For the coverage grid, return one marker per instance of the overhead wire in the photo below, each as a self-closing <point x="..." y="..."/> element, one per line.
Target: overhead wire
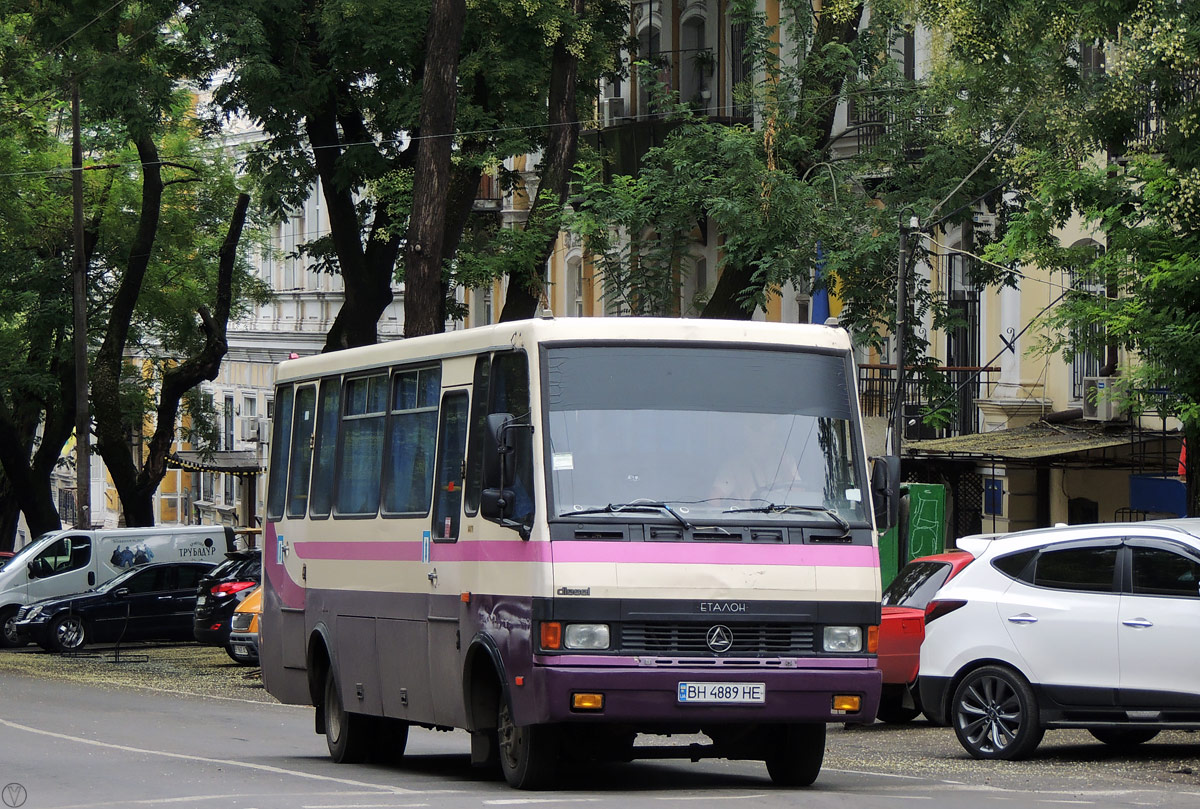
<point x="408" y="139"/>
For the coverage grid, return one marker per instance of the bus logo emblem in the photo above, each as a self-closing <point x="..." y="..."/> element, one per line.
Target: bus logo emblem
<point x="720" y="638"/>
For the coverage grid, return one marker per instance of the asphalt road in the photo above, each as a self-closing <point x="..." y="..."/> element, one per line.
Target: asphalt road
<point x="187" y="728"/>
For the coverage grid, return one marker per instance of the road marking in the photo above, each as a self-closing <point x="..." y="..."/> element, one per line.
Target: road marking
<point x="361" y="805"/>
<point x="902" y="797"/>
<point x="524" y="801"/>
<point x="222" y="762"/>
<point x="879" y="774"/>
<point x="713" y="797"/>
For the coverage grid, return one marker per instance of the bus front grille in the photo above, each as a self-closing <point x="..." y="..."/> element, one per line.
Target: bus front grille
<point x="748" y="639"/>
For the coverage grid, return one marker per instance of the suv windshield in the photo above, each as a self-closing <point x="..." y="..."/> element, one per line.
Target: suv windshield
<point x="703" y="429"/>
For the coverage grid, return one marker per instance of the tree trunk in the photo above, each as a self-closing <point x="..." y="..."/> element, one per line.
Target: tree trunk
<point x="423" y="296"/>
<point x="179" y="379"/>
<point x="464" y="188"/>
<point x="562" y="141"/>
<point x="10" y="514"/>
<point x="31" y="493"/>
<point x="366" y="272"/>
<point x="111" y="421"/>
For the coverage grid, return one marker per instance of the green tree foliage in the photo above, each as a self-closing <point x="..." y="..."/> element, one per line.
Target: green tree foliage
<point x="1105" y="100"/>
<point x="336" y="87"/>
<point x="777" y="186"/>
<point x="158" y="202"/>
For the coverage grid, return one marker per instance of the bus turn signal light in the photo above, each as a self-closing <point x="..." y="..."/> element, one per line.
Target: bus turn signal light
<point x="587" y="702"/>
<point x="551" y="635"/>
<point x="872" y="639"/>
<point x="845" y="703"/>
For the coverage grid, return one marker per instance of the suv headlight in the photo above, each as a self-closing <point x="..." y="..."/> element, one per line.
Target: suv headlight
<point x="843" y="639"/>
<point x="586" y="636"/>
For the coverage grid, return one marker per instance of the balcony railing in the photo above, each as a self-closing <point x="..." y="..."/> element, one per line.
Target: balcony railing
<point x="490" y="195"/>
<point x="950" y="389"/>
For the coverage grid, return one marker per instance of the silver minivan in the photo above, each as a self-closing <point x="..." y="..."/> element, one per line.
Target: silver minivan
<point x="70" y="561"/>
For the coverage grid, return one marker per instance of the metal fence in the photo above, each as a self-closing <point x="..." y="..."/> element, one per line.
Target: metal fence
<point x="953" y="389"/>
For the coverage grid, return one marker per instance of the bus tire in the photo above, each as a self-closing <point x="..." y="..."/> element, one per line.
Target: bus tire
<point x="528" y="753"/>
<point x="348" y="735"/>
<point x="391" y="738"/>
<point x="795" y="754"/>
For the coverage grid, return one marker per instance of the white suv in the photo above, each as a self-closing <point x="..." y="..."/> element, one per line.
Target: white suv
<point x="1086" y="626"/>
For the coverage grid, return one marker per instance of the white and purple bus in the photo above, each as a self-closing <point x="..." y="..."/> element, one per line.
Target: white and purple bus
<point x="561" y="534"/>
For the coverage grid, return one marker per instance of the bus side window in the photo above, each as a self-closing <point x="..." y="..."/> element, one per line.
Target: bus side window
<point x="320" y="498"/>
<point x="281" y="445"/>
<point x="361" y="450"/>
<point x="479" y="412"/>
<point x="451" y="448"/>
<point x="302" y="428"/>
<point x="411" y="441"/>
<point x="510" y="394"/>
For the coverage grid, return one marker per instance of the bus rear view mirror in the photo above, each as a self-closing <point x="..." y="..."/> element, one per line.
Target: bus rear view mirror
<point x="498" y="452"/>
<point x="496" y="504"/>
<point x="885" y="491"/>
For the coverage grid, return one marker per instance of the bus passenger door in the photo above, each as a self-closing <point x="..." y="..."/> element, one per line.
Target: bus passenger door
<point x="445" y="567"/>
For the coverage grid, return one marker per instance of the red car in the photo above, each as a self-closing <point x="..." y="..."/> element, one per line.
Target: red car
<point x="903" y="629"/>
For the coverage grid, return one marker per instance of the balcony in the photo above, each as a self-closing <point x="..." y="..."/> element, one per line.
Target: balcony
<point x="490" y="196"/>
<point x="954" y="388"/>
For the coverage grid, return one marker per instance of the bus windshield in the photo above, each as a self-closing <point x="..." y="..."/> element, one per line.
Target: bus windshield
<point x="713" y="432"/>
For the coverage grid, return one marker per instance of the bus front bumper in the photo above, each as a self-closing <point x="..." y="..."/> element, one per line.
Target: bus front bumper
<point x="681" y="696"/>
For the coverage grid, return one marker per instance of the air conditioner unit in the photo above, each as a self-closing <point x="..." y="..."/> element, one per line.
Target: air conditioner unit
<point x="1098" y="399"/>
<point x="612" y="111"/>
<point x="253" y="429"/>
<point x="984" y="222"/>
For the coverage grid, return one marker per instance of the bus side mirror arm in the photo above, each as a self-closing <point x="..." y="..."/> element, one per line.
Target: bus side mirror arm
<point x="497" y="498"/>
<point x="885" y="491"/>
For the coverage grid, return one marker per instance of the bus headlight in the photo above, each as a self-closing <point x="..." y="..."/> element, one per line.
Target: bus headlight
<point x="586" y="636"/>
<point x="843" y="639"/>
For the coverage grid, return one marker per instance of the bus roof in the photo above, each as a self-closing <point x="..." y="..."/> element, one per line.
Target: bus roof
<point x="526" y="333"/>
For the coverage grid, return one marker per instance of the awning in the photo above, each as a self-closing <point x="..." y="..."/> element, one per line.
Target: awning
<point x="230" y="462"/>
<point x="1036" y="441"/>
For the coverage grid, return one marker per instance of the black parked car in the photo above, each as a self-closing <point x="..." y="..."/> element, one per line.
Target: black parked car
<point x="221" y="591"/>
<point x="148" y="602"/>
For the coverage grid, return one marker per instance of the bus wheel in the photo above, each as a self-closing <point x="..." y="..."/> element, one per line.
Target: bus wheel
<point x="528" y="753"/>
<point x="391" y="737"/>
<point x="795" y="753"/>
<point x="348" y="735"/>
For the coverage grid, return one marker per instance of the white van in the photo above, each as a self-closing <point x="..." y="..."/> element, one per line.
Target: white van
<point x="70" y="561"/>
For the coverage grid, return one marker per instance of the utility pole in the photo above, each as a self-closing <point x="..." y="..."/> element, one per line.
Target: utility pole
<point x="83" y="420"/>
<point x="901" y="330"/>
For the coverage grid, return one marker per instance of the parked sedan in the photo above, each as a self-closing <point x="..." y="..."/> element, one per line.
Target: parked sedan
<point x="903" y="629"/>
<point x="243" y="635"/>
<point x="1083" y="626"/>
<point x="149" y="602"/>
<point x="219" y="594"/>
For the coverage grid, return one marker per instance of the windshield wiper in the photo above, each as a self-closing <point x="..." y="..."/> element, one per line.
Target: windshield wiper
<point x="783" y="508"/>
<point x="643" y="506"/>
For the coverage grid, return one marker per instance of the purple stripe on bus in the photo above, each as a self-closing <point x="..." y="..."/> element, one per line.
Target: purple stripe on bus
<point x="666" y="553"/>
<point x="611" y="552"/>
<point x="290" y="594"/>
